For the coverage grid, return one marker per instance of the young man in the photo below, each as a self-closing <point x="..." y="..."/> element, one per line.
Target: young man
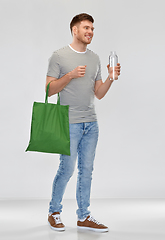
<point x="75" y="72"/>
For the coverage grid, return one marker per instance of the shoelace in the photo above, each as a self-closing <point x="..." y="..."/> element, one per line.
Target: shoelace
<point x="92" y="219"/>
<point x="57" y="218"/>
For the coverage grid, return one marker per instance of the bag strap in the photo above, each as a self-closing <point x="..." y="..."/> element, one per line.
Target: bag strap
<point x="46" y="97"/>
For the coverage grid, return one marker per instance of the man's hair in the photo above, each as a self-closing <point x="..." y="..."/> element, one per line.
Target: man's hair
<point x="80" y="17"/>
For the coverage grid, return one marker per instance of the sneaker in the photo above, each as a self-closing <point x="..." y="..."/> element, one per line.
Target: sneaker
<point x="55" y="222"/>
<point x="91" y="224"/>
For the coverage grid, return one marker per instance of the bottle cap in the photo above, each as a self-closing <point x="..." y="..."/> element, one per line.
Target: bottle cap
<point x="113" y="52"/>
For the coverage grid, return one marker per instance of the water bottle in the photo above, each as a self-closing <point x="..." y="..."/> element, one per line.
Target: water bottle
<point x="113" y="60"/>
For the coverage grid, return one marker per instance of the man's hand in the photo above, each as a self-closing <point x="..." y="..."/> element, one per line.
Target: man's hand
<point x="116" y="73"/>
<point x="78" y="72"/>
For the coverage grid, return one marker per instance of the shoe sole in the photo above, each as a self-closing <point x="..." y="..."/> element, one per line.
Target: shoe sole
<point x="56" y="229"/>
<point x="93" y="229"/>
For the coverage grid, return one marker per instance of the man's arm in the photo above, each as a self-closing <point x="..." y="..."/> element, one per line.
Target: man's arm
<point x="58" y="84"/>
<point x="102" y="88"/>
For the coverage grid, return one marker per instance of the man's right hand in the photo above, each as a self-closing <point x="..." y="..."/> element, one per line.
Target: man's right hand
<point x="58" y="84"/>
<point x="78" y="72"/>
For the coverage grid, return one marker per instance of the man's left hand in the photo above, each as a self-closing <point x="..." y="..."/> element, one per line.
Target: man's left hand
<point x="116" y="72"/>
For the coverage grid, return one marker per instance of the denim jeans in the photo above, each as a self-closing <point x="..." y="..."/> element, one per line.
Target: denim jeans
<point x="83" y="141"/>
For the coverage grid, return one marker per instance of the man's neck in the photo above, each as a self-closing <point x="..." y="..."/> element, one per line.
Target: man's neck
<point x="79" y="47"/>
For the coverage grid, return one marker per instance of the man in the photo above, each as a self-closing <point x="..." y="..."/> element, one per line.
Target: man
<point x="75" y="72"/>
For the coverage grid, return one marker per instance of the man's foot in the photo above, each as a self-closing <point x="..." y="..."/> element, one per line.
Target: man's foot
<point x="91" y="224"/>
<point x="55" y="222"/>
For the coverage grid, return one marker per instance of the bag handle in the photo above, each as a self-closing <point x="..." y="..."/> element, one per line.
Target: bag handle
<point x="46" y="97"/>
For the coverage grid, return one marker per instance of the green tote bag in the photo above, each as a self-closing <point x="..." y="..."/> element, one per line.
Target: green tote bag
<point x="50" y="127"/>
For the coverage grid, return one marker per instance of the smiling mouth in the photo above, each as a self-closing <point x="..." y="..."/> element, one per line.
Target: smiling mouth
<point x="89" y="37"/>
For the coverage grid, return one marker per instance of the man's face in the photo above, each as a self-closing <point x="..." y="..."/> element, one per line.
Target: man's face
<point x="84" y="32"/>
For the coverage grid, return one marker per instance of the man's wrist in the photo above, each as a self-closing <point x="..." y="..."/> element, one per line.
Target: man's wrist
<point x="70" y="75"/>
<point x="110" y="78"/>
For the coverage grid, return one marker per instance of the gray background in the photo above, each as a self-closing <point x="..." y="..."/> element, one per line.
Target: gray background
<point x="130" y="155"/>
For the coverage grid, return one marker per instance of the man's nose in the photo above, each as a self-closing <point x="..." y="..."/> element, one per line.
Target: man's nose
<point x="90" y="31"/>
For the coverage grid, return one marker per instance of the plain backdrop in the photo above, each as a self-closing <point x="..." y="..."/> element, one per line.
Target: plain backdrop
<point x="130" y="157"/>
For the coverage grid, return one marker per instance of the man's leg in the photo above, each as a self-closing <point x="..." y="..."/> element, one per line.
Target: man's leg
<point x="66" y="169"/>
<point x="86" y="155"/>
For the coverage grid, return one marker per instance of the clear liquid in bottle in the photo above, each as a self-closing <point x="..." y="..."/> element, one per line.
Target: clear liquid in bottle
<point x="113" y="60"/>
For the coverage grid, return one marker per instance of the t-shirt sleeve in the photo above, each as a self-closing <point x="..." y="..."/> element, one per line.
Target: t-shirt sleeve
<point x="54" y="66"/>
<point x="98" y="76"/>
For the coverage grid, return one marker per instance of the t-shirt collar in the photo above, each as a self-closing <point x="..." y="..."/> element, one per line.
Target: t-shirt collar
<point x="76" y="51"/>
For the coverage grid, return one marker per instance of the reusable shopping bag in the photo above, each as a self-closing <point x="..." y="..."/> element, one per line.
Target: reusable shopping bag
<point x="50" y="127"/>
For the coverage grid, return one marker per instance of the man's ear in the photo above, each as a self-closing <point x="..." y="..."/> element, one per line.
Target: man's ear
<point x="74" y="30"/>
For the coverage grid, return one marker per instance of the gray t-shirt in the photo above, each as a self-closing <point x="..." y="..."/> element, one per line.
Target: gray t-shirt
<point x="79" y="93"/>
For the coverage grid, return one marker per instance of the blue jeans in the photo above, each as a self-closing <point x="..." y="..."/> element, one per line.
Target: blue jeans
<point x="83" y="141"/>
